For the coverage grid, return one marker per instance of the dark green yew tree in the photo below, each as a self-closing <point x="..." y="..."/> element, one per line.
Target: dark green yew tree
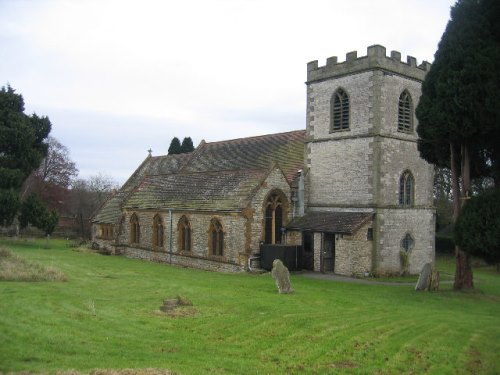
<point x="187" y="145"/>
<point x="459" y="108"/>
<point x="175" y="146"/>
<point x="477" y="230"/>
<point x="22" y="149"/>
<point x="34" y="212"/>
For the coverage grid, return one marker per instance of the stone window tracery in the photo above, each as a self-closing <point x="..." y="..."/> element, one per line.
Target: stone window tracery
<point x="216" y="237"/>
<point x="407" y="242"/>
<point x="406" y="189"/>
<point x="274" y="213"/>
<point x="405" y="113"/>
<point x="135" y="229"/>
<point x="339" y="110"/>
<point x="184" y="234"/>
<point x="157" y="232"/>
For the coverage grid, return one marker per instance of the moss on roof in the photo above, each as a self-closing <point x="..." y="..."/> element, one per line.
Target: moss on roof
<point x="216" y="176"/>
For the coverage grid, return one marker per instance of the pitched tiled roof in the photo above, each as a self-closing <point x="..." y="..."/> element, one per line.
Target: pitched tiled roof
<point x="222" y="190"/>
<point x="110" y="212"/>
<point x="216" y="176"/>
<point x="331" y="222"/>
<point x="284" y="149"/>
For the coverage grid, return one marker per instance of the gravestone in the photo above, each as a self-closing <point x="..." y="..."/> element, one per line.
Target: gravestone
<point x="428" y="279"/>
<point x="423" y="279"/>
<point x="434" y="281"/>
<point x="282" y="277"/>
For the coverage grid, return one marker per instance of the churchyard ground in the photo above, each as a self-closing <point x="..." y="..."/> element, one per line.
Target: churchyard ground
<point x="104" y="314"/>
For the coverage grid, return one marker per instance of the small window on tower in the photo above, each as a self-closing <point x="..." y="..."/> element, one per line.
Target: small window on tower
<point x="405" y="113"/>
<point x="407" y="242"/>
<point x="339" y="111"/>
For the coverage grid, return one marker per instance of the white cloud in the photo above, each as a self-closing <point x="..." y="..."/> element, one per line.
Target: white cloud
<point x="212" y="69"/>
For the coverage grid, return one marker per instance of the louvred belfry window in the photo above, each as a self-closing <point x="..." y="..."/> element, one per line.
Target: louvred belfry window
<point x="405" y="113"/>
<point x="340" y="110"/>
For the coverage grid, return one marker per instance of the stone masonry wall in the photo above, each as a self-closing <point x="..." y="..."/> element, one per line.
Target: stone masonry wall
<point x="353" y="253"/>
<point x="398" y="156"/>
<point x="234" y="242"/>
<point x="394" y="224"/>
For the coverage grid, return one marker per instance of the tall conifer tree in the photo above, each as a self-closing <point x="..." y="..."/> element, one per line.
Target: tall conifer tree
<point x="458" y="111"/>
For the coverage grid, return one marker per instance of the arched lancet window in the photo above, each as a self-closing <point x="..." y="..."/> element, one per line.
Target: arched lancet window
<point x="135" y="229"/>
<point x="339" y="110"/>
<point x="405" y="113"/>
<point x="184" y="234"/>
<point x="216" y="237"/>
<point x="274" y="213"/>
<point x="407" y="242"/>
<point x="406" y="189"/>
<point x="157" y="231"/>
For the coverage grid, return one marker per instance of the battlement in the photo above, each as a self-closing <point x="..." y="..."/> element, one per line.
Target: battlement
<point x="376" y="59"/>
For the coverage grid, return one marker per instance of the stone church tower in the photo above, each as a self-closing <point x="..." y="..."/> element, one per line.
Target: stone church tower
<point x="362" y="157"/>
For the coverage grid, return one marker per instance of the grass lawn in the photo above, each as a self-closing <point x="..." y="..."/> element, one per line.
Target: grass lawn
<point x="106" y="316"/>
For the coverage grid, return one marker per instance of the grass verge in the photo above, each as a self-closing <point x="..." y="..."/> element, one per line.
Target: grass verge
<point x="107" y="316"/>
<point x="16" y="268"/>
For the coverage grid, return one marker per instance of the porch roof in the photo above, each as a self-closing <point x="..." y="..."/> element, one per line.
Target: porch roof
<point x="330" y="222"/>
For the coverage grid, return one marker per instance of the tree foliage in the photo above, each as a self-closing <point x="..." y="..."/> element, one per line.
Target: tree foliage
<point x="459" y="110"/>
<point x="187" y="145"/>
<point x="477" y="230"/>
<point x="34" y="212"/>
<point x="22" y="149"/>
<point x="51" y="180"/>
<point x="177" y="148"/>
<point x="57" y="168"/>
<point x="87" y="195"/>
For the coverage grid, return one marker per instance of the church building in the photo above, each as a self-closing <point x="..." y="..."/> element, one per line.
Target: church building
<point x="350" y="189"/>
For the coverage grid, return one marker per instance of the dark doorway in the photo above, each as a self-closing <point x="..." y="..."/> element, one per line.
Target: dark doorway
<point x="308" y="251"/>
<point x="328" y="263"/>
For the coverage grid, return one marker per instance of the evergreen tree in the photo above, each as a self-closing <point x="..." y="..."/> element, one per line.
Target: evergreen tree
<point x="477" y="230"/>
<point x="175" y="146"/>
<point x="458" y="111"/>
<point x="34" y="212"/>
<point x="22" y="148"/>
<point x="187" y="145"/>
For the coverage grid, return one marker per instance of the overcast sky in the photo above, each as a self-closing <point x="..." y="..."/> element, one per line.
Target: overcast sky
<point x="119" y="77"/>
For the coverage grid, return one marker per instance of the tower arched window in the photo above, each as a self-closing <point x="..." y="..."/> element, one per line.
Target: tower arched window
<point x="405" y="113"/>
<point x="184" y="234"/>
<point x="216" y="237"/>
<point x="157" y="231"/>
<point x="135" y="229"/>
<point x="274" y="213"/>
<point x="406" y="189"/>
<point x="339" y="110"/>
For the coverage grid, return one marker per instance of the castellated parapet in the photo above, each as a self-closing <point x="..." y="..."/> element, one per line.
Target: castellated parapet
<point x="376" y="59"/>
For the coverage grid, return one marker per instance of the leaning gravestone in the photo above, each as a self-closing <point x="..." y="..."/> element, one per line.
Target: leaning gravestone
<point x="428" y="278"/>
<point x="433" y="280"/>
<point x="282" y="277"/>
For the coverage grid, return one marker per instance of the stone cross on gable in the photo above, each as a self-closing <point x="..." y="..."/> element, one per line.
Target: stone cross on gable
<point x="150" y="151"/>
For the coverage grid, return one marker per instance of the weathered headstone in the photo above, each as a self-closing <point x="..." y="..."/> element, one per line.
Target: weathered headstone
<point x="434" y="281"/>
<point x="428" y="279"/>
<point x="423" y="280"/>
<point x="282" y="277"/>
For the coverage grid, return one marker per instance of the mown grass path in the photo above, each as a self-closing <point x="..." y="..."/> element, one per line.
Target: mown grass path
<point x="107" y="316"/>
